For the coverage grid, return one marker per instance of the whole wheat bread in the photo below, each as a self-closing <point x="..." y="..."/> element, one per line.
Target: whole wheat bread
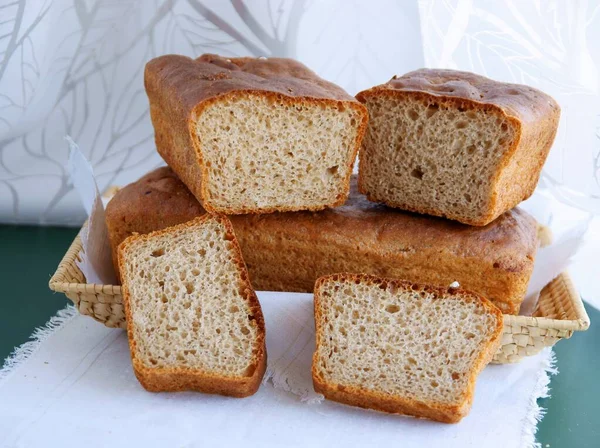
<point x="193" y="319"/>
<point x="455" y="144"/>
<point x="289" y="251"/>
<point x="399" y="347"/>
<point x="254" y="135"/>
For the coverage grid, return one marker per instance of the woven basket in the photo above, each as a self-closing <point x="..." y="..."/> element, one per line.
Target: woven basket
<point x="559" y="312"/>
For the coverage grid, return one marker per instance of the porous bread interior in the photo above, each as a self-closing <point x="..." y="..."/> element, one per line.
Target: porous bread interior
<point x="400" y="342"/>
<point x="425" y="154"/>
<point x="186" y="304"/>
<point x="263" y="152"/>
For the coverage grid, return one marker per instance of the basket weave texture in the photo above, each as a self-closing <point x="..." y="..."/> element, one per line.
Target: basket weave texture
<point x="559" y="311"/>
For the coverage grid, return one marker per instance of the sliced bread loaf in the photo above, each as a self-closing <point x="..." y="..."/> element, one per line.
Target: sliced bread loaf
<point x="455" y="144"/>
<point x="193" y="319"/>
<point x="402" y="348"/>
<point x="253" y="135"/>
<point x="289" y="251"/>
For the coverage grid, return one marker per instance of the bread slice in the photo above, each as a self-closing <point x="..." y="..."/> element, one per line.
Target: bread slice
<point x="455" y="144"/>
<point x="399" y="347"/>
<point x="193" y="319"/>
<point x="253" y="135"/>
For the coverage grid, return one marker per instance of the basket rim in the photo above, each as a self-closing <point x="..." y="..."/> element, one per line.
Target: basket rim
<point x="581" y="323"/>
<point x="58" y="283"/>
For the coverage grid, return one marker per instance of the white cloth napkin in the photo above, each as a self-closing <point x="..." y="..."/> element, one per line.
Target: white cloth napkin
<point x="73" y="386"/>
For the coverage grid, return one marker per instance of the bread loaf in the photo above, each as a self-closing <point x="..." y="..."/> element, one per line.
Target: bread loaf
<point x="193" y="319"/>
<point x="399" y="347"/>
<point x="289" y="251"/>
<point x="454" y="144"/>
<point x="253" y="135"/>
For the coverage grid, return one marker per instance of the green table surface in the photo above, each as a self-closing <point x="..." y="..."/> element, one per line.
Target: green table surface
<point x="30" y="255"/>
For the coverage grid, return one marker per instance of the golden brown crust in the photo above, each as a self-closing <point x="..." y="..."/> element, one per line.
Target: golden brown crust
<point x="369" y="399"/>
<point x="289" y="251"/>
<point x="154" y="202"/>
<point x="178" y="379"/>
<point x="179" y="88"/>
<point x="534" y="115"/>
<point x="285" y="76"/>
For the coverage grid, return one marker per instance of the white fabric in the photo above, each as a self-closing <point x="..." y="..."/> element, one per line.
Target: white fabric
<point x="95" y="258"/>
<point x="77" y="388"/>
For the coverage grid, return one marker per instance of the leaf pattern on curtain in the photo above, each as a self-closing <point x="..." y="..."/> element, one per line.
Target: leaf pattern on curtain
<point x="76" y="67"/>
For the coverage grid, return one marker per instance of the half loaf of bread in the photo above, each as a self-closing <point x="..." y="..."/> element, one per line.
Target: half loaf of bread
<point x="253" y="135"/>
<point x="193" y="319"/>
<point x="455" y="144"/>
<point x="399" y="347"/>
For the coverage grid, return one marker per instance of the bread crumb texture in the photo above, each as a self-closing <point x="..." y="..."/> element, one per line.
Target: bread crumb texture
<point x="436" y="156"/>
<point x="396" y="340"/>
<point x="188" y="303"/>
<point x="264" y="152"/>
<point x="455" y="144"/>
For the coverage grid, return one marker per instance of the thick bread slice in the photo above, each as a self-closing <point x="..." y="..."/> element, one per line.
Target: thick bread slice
<point x="399" y="347"/>
<point x="289" y="251"/>
<point x="254" y="135"/>
<point x="455" y="144"/>
<point x="193" y="319"/>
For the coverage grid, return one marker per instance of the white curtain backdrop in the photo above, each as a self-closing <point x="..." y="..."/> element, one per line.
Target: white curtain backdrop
<point x="76" y="67"/>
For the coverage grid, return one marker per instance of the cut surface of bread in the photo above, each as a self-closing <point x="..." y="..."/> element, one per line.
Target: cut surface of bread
<point x="455" y="144"/>
<point x="193" y="319"/>
<point x="289" y="251"/>
<point x="399" y="347"/>
<point x="254" y="135"/>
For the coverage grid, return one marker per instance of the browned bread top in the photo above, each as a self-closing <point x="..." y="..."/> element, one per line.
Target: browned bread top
<point x="507" y="246"/>
<point x="279" y="99"/>
<point x="516" y="100"/>
<point x="155" y="201"/>
<point x="160" y="192"/>
<point x="495" y="260"/>
<point x="510" y="240"/>
<point x="196" y="80"/>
